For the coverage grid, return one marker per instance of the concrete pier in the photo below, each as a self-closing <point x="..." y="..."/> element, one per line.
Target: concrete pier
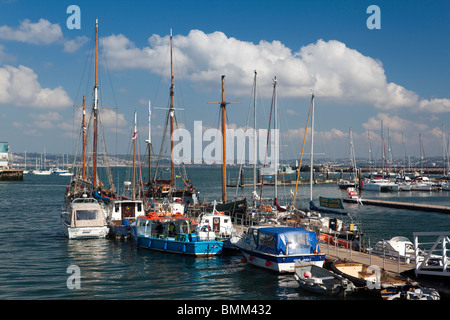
<point x="402" y="205"/>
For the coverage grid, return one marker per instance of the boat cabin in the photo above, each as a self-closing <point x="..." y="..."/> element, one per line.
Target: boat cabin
<point x="284" y="240"/>
<point x="164" y="226"/>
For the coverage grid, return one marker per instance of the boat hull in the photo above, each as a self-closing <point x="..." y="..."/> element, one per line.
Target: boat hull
<point x="179" y="245"/>
<point x="281" y="263"/>
<point x="84" y="232"/>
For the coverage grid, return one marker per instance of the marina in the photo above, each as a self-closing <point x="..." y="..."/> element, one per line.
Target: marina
<point x="110" y="265"/>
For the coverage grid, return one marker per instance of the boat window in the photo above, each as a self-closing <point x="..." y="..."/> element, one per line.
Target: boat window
<point x="297" y="241"/>
<point x="266" y="240"/>
<point x="139" y="206"/>
<point x="116" y="207"/>
<point x="86" y="214"/>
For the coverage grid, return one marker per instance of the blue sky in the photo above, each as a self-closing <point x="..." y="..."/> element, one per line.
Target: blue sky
<point x="398" y="75"/>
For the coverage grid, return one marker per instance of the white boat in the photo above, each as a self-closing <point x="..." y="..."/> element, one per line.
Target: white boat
<point x="396" y="247"/>
<point x="323" y="281"/>
<point x="219" y="223"/>
<point x="84" y="218"/>
<point x="423" y="184"/>
<point x="381" y="185"/>
<point x="42" y="172"/>
<point x="278" y="248"/>
<point x="122" y="214"/>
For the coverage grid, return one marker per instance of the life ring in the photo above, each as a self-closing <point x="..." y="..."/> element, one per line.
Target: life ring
<point x="266" y="208"/>
<point x="219" y="212"/>
<point x="179" y="200"/>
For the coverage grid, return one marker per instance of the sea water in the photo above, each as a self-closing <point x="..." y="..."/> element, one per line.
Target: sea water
<point x="37" y="262"/>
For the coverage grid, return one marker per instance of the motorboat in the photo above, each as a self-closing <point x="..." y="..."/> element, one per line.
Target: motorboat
<point x="174" y="233"/>
<point x="397" y="247"/>
<point x="122" y="214"/>
<point x="84" y="218"/>
<point x="278" y="248"/>
<point x="370" y="278"/>
<point x="378" y="184"/>
<point x="320" y="280"/>
<point x="221" y="224"/>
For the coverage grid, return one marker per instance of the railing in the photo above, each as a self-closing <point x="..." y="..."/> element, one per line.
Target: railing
<point x="432" y="255"/>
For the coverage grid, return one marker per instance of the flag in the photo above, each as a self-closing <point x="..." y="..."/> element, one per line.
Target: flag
<point x="134" y="136"/>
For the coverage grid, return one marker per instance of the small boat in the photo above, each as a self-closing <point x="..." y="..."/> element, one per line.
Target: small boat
<point x="174" y="233"/>
<point x="122" y="214"/>
<point x="410" y="293"/>
<point x="220" y="224"/>
<point x="84" y="219"/>
<point x="369" y="278"/>
<point x="395" y="247"/>
<point x="379" y="184"/>
<point x="278" y="248"/>
<point x="320" y="280"/>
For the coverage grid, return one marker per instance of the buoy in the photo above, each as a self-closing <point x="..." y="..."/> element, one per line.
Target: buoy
<point x="268" y="263"/>
<point x="243" y="260"/>
<point x="307" y="274"/>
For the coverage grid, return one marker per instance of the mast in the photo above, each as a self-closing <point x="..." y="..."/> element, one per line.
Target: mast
<point x="223" y="106"/>
<point x="84" y="138"/>
<point x="276" y="136"/>
<point x="254" y="140"/>
<point x="149" y="141"/>
<point x="312" y="151"/>
<point x="95" y="107"/>
<point x="171" y="114"/>
<point x="133" y="195"/>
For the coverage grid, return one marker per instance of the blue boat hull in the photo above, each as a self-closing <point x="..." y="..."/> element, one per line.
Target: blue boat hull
<point x="194" y="248"/>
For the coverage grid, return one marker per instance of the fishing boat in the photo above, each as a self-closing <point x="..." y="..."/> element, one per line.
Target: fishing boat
<point x="320" y="280"/>
<point x="84" y="218"/>
<point x="174" y="233"/>
<point x="369" y="278"/>
<point x="278" y="248"/>
<point x="130" y="205"/>
<point x="221" y="224"/>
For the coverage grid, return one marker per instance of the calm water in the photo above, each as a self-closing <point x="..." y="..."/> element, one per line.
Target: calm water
<point x="35" y="256"/>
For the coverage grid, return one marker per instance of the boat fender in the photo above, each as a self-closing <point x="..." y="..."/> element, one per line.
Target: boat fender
<point x="267" y="263"/>
<point x="179" y="200"/>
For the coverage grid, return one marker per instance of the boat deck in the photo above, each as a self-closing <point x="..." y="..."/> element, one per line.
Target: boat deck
<point x="392" y="266"/>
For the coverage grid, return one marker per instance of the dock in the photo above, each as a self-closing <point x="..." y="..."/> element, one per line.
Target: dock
<point x="401" y="205"/>
<point x="392" y="265"/>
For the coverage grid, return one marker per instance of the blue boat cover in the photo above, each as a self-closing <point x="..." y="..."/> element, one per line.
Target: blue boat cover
<point x="286" y="240"/>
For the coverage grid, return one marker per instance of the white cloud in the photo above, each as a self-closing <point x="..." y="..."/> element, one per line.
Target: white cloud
<point x="42" y="32"/>
<point x="329" y="68"/>
<point x="20" y="87"/>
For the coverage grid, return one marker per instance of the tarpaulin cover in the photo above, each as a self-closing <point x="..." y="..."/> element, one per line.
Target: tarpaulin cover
<point x="286" y="240"/>
<point x="87" y="215"/>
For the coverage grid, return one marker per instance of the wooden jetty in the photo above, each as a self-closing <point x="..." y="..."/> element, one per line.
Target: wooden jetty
<point x="402" y="205"/>
<point x="394" y="266"/>
<point x="11" y="174"/>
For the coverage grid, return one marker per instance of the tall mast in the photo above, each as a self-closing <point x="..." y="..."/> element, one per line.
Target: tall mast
<point x="149" y="141"/>
<point x="84" y="138"/>
<point x="95" y="107"/>
<point x="276" y="136"/>
<point x="254" y="140"/>
<point x="312" y="151"/>
<point x="223" y="106"/>
<point x="171" y="114"/>
<point x="133" y="195"/>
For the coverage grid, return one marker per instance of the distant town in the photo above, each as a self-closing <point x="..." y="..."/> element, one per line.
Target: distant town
<point x="432" y="165"/>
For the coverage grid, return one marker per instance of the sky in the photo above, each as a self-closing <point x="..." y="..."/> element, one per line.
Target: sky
<point x="389" y="83"/>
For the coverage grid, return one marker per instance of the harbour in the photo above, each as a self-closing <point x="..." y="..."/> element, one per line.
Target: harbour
<point x="110" y="266"/>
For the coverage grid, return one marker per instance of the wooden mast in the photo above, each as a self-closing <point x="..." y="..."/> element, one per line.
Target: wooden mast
<point x="84" y="138"/>
<point x="171" y="114"/>
<point x="133" y="195"/>
<point x="95" y="109"/>
<point x="223" y="106"/>
<point x="149" y="142"/>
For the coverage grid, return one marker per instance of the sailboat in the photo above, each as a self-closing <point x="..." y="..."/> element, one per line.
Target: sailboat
<point x="238" y="206"/>
<point x="125" y="210"/>
<point x="86" y="211"/>
<point x="329" y="230"/>
<point x="166" y="188"/>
